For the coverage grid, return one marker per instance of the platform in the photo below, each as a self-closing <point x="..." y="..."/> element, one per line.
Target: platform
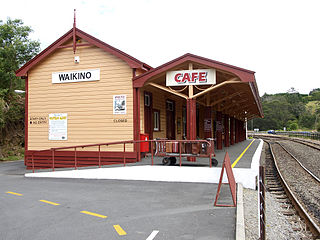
<point x="244" y="158"/>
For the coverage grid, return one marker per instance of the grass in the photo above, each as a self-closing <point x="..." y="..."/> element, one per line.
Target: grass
<point x="12" y="158"/>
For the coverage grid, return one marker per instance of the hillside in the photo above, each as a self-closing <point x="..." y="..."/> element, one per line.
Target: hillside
<point x="291" y="110"/>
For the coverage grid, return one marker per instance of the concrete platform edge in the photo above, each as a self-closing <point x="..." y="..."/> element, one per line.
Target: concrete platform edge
<point x="240" y="227"/>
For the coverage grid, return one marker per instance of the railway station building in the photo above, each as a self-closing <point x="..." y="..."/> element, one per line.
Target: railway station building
<point x="82" y="91"/>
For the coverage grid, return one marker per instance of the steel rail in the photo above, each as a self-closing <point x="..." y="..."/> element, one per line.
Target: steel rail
<point x="314" y="228"/>
<point x="306" y="169"/>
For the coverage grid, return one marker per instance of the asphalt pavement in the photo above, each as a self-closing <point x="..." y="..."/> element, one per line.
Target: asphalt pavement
<point x="43" y="208"/>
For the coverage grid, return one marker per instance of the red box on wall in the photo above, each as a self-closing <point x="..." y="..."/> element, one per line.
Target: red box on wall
<point x="144" y="146"/>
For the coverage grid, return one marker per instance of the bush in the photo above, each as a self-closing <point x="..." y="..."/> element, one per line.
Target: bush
<point x="293" y="126"/>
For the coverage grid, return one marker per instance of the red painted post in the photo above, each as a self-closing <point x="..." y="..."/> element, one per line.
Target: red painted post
<point x="53" y="160"/>
<point x="75" y="158"/>
<point x="226" y="131"/>
<point x="32" y="163"/>
<point x="124" y="154"/>
<point x="210" y="160"/>
<point x="99" y="158"/>
<point x="191" y="122"/>
<point x="180" y="153"/>
<point x="151" y="145"/>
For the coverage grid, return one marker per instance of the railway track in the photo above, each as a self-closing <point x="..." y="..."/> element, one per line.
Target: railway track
<point x="294" y="187"/>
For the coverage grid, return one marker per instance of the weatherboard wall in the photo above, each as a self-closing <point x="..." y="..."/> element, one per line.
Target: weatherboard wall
<point x="89" y="105"/>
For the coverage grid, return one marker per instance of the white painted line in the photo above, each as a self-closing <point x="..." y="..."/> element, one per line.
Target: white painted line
<point x="152" y="235"/>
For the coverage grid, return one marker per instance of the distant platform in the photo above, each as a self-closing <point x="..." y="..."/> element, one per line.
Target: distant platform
<point x="244" y="156"/>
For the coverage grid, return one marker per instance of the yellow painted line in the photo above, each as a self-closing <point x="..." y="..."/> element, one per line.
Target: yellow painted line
<point x="244" y="151"/>
<point x="94" y="214"/>
<point x="14" y="193"/>
<point x="52" y="203"/>
<point x="119" y="230"/>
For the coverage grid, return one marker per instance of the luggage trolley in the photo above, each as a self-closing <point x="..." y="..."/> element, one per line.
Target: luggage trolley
<point x="170" y="149"/>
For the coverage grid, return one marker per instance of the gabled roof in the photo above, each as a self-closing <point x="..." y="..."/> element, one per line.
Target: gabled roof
<point x="131" y="61"/>
<point x="243" y="74"/>
<point x="246" y="76"/>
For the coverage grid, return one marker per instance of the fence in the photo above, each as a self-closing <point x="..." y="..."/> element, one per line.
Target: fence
<point x="310" y="135"/>
<point x="39" y="160"/>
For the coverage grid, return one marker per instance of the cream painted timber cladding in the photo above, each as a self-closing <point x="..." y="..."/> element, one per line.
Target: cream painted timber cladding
<point x="159" y="103"/>
<point x="89" y="105"/>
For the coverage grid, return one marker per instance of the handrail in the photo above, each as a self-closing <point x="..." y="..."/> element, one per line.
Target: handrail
<point x="53" y="150"/>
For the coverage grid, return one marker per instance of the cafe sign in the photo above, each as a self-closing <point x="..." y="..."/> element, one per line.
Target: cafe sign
<point x="191" y="77"/>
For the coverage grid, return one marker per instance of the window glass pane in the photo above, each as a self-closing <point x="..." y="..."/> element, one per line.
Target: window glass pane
<point x="156" y="121"/>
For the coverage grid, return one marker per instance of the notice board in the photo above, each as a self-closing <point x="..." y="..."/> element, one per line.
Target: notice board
<point x="58" y="126"/>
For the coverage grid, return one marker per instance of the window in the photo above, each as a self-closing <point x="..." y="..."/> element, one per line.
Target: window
<point x="156" y="120"/>
<point x="147" y="100"/>
<point x="170" y="106"/>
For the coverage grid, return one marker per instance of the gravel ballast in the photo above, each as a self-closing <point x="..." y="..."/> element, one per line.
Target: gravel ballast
<point x="278" y="227"/>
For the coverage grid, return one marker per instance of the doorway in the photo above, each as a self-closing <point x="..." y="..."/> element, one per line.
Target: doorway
<point x="148" y="114"/>
<point x="170" y="113"/>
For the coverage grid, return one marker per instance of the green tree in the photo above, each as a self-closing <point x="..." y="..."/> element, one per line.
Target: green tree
<point x="15" y="49"/>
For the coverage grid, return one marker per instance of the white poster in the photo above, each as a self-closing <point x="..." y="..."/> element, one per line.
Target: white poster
<point x="119" y="104"/>
<point x="58" y="126"/>
<point x="191" y="77"/>
<point x="76" y="76"/>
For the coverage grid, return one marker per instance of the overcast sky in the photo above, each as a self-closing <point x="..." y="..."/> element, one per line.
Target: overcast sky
<point x="278" y="39"/>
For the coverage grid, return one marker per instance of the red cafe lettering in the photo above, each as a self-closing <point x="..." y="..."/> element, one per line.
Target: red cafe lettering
<point x="192" y="77"/>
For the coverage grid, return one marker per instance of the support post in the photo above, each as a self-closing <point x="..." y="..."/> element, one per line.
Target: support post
<point x="191" y="122"/>
<point x="207" y="122"/>
<point x="226" y="131"/>
<point x="231" y="130"/>
<point x="219" y="130"/>
<point x="236" y="130"/>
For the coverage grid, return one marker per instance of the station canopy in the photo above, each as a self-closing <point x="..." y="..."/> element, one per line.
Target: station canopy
<point x="235" y="92"/>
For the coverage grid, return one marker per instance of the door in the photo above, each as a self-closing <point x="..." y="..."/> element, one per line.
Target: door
<point x="148" y="121"/>
<point x="170" y="112"/>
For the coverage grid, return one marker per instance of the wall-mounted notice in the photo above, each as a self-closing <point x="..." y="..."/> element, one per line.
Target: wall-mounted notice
<point x="58" y="126"/>
<point x="119" y="104"/>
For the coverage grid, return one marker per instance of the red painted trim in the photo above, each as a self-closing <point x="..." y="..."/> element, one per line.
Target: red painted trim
<point x="26" y="117"/>
<point x="132" y="62"/>
<point x="63" y="159"/>
<point x="244" y="74"/>
<point x="191" y="123"/>
<point x="78" y="45"/>
<point x="138" y="122"/>
<point x="74" y="33"/>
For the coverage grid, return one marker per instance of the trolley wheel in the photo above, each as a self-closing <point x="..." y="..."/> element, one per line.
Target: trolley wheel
<point x="173" y="160"/>
<point x="214" y="162"/>
<point x="166" y="161"/>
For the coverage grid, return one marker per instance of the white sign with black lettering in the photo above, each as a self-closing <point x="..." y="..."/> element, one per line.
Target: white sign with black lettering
<point x="76" y="76"/>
